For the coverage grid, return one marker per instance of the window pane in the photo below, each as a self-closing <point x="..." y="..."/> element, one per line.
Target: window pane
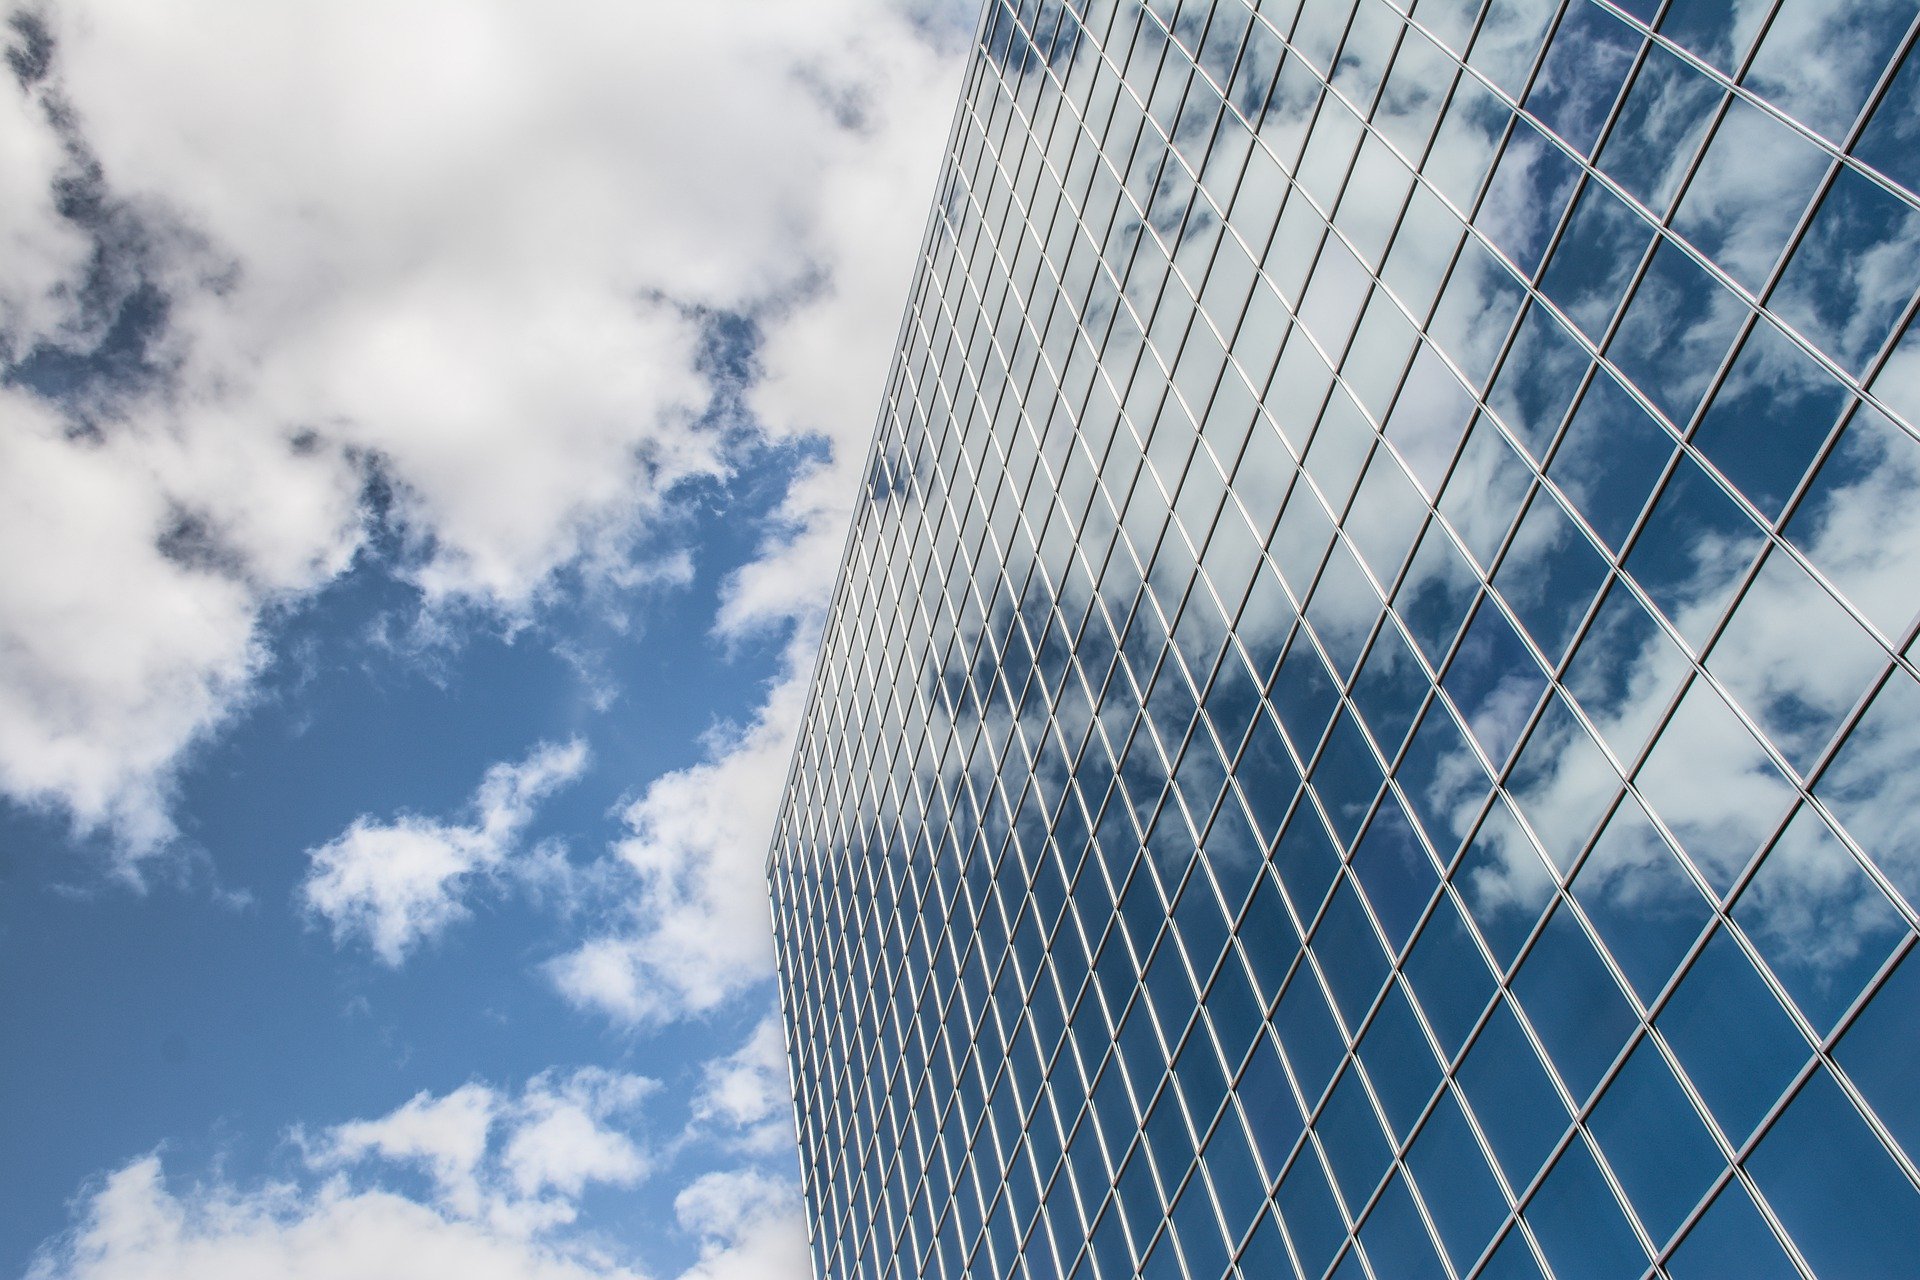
<point x="1585" y="65"/>
<point x="1665" y="115"/>
<point x="1743" y="200"/>
<point x="1824" y="291"/>
<point x="1843" y="1200"/>
<point x="1820" y="58"/>
<point x="1654" y="1141"/>
<point x="1732" y="1038"/>
<point x="1769" y="418"/>
<point x="1581" y="1227"/>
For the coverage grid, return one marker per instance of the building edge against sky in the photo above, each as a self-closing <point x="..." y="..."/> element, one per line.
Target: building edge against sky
<point x="1367" y="726"/>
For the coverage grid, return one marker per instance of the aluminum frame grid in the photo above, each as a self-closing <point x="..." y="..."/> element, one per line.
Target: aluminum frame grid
<point x="1019" y="929"/>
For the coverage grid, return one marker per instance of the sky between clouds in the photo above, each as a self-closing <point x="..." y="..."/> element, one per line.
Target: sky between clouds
<point x="430" y="431"/>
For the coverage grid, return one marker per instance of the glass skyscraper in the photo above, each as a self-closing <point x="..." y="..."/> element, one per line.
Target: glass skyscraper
<point x="1369" y="726"/>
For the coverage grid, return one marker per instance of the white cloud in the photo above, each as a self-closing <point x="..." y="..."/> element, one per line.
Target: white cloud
<point x="135" y="1228"/>
<point x="826" y="366"/>
<point x="116" y="655"/>
<point x="39" y="247"/>
<point x="698" y="929"/>
<point x="447" y="1136"/>
<point x="1706" y="777"/>
<point x="560" y="1142"/>
<point x="466" y="248"/>
<point x="505" y="1170"/>
<point x="397" y="884"/>
<point x="746" y="1095"/>
<point x="519" y="1163"/>
<point x="752" y="1227"/>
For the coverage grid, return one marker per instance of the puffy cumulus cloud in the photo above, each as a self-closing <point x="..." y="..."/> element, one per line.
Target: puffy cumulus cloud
<point x="134" y="1227"/>
<point x="396" y="884"/>
<point x="41" y="249"/>
<point x="517" y="1162"/>
<point x="752" y="1227"/>
<point x="504" y="1174"/>
<point x="559" y="1141"/>
<point x="745" y="1095"/>
<point x="825" y="366"/>
<point x="117" y="653"/>
<point x="446" y="1136"/>
<point x="465" y="256"/>
<point x="697" y="928"/>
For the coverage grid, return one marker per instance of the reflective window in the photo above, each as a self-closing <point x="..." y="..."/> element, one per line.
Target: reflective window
<point x="1577" y="1223"/>
<point x="1827" y="290"/>
<point x="1866" y="483"/>
<point x="1597" y="255"/>
<point x="1464" y="147"/>
<point x="1373" y="660"/>
<point x="1720" y="34"/>
<point x="1485" y="491"/>
<point x="1820" y="58"/>
<point x="1661" y="122"/>
<point x="1443" y="780"/>
<point x="1505" y="882"/>
<point x="1312" y="1219"/>
<point x="1877" y="1052"/>
<point x="1761" y="657"/>
<point x="1399" y="1064"/>
<point x="1415" y="90"/>
<point x="1841" y="1197"/>
<point x="1428" y="418"/>
<point x="1818" y="920"/>
<point x="1494" y="681"/>
<point x="1611" y="456"/>
<point x="1508" y="41"/>
<point x="1654" y="1141"/>
<point x="1731" y="1037"/>
<point x="1868" y="786"/>
<point x="1738" y="213"/>
<point x="1479" y="303"/>
<point x="1581" y="74"/>
<point x="1675" y="330"/>
<point x="1888" y="142"/>
<point x="1549" y="575"/>
<point x="1466" y="1203"/>
<point x="1574" y="1004"/>
<point x="1769" y="418"/>
<point x="1451" y="982"/>
<point x="1512" y="1097"/>
<point x="1537" y="380"/>
<point x="1693" y="550"/>
<point x="1731" y="1238"/>
<point x="1529" y="191"/>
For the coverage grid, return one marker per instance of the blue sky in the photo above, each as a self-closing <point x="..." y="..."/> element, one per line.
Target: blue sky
<point x="430" y="432"/>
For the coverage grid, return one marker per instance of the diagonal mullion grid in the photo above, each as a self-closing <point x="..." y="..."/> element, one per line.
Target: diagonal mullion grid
<point x="1176" y="747"/>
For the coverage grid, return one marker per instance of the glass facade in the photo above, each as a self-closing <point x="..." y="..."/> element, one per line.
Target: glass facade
<point x="1369" y="724"/>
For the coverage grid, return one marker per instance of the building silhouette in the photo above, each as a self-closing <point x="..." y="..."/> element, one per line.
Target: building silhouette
<point x="1367" y="726"/>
